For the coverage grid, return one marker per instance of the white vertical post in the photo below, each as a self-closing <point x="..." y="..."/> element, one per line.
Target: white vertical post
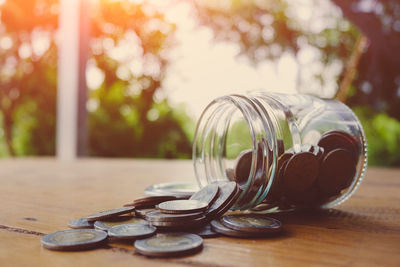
<point x="68" y="79"/>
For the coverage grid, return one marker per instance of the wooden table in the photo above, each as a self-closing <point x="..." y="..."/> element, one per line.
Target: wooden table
<point x="40" y="196"/>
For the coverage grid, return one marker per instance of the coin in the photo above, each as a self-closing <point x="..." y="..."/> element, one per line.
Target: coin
<point x="107" y="224"/>
<point x="243" y="166"/>
<point x="74" y="239"/>
<point x="178" y="189"/>
<point x="300" y="172"/>
<point x="182" y="206"/>
<point x="338" y="139"/>
<point x="171" y="244"/>
<point x="252" y="223"/>
<point x="337" y="171"/>
<point x="275" y="192"/>
<point x="157" y="215"/>
<point x="149" y="201"/>
<point x="187" y="224"/>
<point x="206" y="232"/>
<point x="227" y="193"/>
<point x="109" y="213"/>
<point x="81" y="223"/>
<point x="131" y="231"/>
<point x="207" y="194"/>
<point x="281" y="146"/>
<point x="142" y="212"/>
<point x="218" y="227"/>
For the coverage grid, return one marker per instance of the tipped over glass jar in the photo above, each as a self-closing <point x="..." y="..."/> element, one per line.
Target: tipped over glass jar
<point x="284" y="151"/>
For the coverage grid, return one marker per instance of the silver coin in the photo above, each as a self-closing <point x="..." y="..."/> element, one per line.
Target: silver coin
<point x="109" y="213"/>
<point x="131" y="231"/>
<point x="205" y="232"/>
<point x="178" y="189"/>
<point x="226" y="196"/>
<point x="218" y="227"/>
<point x="182" y="206"/>
<point x="107" y="224"/>
<point x="252" y="223"/>
<point x="207" y="194"/>
<point x="81" y="223"/>
<point x="142" y="212"/>
<point x="169" y="244"/>
<point x="74" y="239"/>
<point x="158" y="216"/>
<point x="189" y="224"/>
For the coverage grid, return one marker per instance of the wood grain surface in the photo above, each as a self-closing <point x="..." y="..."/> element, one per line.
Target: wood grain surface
<point x="40" y="196"/>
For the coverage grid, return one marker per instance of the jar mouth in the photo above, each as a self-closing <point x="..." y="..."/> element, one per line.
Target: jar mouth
<point x="229" y="127"/>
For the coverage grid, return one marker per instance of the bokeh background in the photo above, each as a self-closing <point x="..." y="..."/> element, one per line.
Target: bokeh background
<point x="154" y="65"/>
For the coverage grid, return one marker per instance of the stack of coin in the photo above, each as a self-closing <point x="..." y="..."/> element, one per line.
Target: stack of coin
<point x="246" y="225"/>
<point x="158" y="230"/>
<point x="309" y="177"/>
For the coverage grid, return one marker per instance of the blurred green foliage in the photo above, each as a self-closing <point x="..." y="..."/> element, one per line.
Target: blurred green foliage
<point x="383" y="136"/>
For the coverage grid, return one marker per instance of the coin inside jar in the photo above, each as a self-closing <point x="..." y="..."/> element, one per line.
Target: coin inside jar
<point x="169" y="244"/>
<point x="218" y="227"/>
<point x="243" y="166"/>
<point x="300" y="172"/>
<point x="337" y="171"/>
<point x="74" y="239"/>
<point x="182" y="206"/>
<point x="131" y="231"/>
<point x="252" y="223"/>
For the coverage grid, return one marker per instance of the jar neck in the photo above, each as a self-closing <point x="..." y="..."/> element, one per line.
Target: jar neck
<point x="228" y="126"/>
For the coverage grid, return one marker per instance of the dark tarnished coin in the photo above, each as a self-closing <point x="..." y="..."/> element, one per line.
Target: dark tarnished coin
<point x="171" y="244"/>
<point x="182" y="206"/>
<point x="109" y="213"/>
<point x="338" y="139"/>
<point x="107" y="224"/>
<point x="218" y="227"/>
<point x="243" y="166"/>
<point x="252" y="223"/>
<point x="177" y="189"/>
<point x="158" y="216"/>
<point x="227" y="193"/>
<point x="300" y="172"/>
<point x="207" y="194"/>
<point x="142" y="212"/>
<point x="281" y="146"/>
<point x="81" y="223"/>
<point x="74" y="239"/>
<point x="277" y="186"/>
<point x="337" y="171"/>
<point x="131" y="231"/>
<point x="206" y="232"/>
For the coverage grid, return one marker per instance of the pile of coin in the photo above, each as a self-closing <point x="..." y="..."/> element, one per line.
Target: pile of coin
<point x="166" y="222"/>
<point x="310" y="177"/>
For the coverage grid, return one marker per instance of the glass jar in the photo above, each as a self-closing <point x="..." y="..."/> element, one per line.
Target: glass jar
<point x="284" y="151"/>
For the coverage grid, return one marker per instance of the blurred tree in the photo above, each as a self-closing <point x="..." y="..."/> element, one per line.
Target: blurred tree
<point x="265" y="30"/>
<point x="28" y="74"/>
<point x="126" y="117"/>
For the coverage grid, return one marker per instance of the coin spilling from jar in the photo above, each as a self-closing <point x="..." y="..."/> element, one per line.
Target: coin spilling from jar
<point x="311" y="176"/>
<point x="166" y="224"/>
